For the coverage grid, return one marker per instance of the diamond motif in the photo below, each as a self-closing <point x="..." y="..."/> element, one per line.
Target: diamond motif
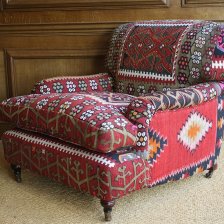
<point x="194" y="130"/>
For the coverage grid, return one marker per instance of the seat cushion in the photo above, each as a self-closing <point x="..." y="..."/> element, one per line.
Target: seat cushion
<point x="95" y="121"/>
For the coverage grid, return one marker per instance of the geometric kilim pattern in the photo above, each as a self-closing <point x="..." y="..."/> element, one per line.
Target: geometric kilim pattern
<point x="202" y="164"/>
<point x="156" y="145"/>
<point x="217" y="69"/>
<point x="150" y="56"/>
<point x="74" y="84"/>
<point x="93" y="120"/>
<point x="220" y="126"/>
<point x="194" y="130"/>
<point x="68" y="149"/>
<point x="140" y="59"/>
<point x="90" y="172"/>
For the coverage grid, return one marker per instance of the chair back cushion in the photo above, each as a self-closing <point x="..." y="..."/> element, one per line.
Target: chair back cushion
<point x="158" y="55"/>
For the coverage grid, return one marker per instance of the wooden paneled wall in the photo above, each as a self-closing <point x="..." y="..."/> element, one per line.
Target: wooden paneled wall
<point x="46" y="38"/>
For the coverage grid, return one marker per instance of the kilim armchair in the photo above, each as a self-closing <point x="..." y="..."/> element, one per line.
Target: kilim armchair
<point x="156" y="115"/>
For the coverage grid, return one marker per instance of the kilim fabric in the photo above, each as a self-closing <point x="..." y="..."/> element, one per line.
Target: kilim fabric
<point x="143" y="110"/>
<point x="113" y="175"/>
<point x="75" y="84"/>
<point x="148" y="56"/>
<point x="192" y="152"/>
<point x="106" y="176"/>
<point x="217" y="68"/>
<point x="190" y="133"/>
<point x="94" y="121"/>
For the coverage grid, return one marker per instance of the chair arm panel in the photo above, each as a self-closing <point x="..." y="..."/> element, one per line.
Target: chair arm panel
<point x="74" y="84"/>
<point x="142" y="109"/>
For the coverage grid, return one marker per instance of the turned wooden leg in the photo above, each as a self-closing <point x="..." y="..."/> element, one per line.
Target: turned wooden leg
<point x="210" y="171"/>
<point x="107" y="208"/>
<point x="17" y="172"/>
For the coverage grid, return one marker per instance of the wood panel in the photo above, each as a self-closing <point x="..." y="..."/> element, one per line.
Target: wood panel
<point x="81" y="4"/>
<point x="41" y="64"/>
<point x="202" y="3"/>
<point x="92" y="17"/>
<point x="70" y="29"/>
<point x="3" y="94"/>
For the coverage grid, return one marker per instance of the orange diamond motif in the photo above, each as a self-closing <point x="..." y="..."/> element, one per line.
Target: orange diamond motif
<point x="194" y="130"/>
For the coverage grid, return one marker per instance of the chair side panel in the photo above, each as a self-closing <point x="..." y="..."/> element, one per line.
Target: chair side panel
<point x="185" y="141"/>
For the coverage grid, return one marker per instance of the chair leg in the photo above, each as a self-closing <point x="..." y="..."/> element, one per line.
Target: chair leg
<point x="17" y="172"/>
<point x="107" y="208"/>
<point x="211" y="171"/>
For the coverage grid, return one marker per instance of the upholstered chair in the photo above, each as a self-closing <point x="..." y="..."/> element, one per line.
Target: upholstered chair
<point x="156" y="114"/>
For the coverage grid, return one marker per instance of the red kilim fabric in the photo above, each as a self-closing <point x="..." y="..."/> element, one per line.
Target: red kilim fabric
<point x="75" y="84"/>
<point x="185" y="138"/>
<point x="94" y="121"/>
<point x="106" y="176"/>
<point x="151" y="56"/>
<point x="151" y="50"/>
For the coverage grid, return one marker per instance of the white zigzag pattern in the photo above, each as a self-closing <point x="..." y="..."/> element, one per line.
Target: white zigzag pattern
<point x="142" y="74"/>
<point x="218" y="64"/>
<point x="60" y="147"/>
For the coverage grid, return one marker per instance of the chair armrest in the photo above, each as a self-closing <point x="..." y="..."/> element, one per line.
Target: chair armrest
<point x="142" y="109"/>
<point x="74" y="84"/>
